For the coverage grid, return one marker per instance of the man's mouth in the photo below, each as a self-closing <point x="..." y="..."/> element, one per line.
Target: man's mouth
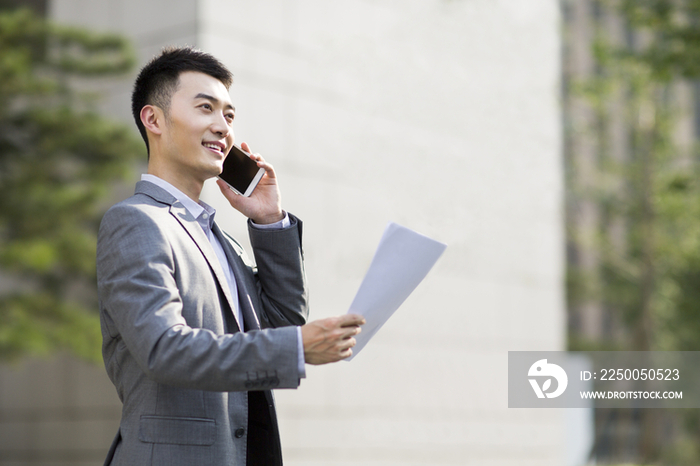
<point x="216" y="146"/>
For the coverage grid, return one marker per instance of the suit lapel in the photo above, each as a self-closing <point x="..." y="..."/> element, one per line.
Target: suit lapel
<point x="244" y="283"/>
<point x="189" y="223"/>
<point x="183" y="216"/>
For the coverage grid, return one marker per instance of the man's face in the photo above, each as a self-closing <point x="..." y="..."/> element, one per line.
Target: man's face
<point x="198" y="132"/>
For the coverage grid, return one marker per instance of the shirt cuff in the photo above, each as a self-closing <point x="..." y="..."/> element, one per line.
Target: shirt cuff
<point x="284" y="223"/>
<point x="301" y="362"/>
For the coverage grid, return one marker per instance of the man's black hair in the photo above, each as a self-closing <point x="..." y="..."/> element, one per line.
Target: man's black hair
<point x="158" y="80"/>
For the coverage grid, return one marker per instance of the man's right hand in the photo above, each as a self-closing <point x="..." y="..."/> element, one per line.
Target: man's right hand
<point x="331" y="339"/>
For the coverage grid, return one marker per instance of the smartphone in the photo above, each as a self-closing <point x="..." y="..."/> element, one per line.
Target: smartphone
<point x="240" y="172"/>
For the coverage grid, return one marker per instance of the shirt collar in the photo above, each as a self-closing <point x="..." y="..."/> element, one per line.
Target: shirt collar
<point x="203" y="212"/>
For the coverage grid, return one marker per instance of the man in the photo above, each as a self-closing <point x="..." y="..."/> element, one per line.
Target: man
<point x="194" y="335"/>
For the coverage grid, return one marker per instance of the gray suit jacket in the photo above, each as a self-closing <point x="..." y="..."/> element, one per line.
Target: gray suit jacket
<point x="171" y="346"/>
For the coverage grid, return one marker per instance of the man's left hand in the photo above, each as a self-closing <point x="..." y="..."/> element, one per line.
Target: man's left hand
<point x="264" y="206"/>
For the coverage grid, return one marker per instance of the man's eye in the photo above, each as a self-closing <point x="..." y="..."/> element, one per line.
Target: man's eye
<point x="207" y="106"/>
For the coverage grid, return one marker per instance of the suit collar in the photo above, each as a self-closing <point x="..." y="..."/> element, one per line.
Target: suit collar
<point x="155" y="192"/>
<point x="195" y="207"/>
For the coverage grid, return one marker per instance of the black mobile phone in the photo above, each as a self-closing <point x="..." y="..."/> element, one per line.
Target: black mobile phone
<point x="240" y="172"/>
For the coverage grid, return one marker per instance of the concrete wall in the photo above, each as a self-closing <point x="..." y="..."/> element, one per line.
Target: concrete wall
<point x="442" y="116"/>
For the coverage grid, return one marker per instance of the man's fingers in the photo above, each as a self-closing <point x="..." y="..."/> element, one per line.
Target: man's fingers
<point x="345" y="350"/>
<point x="351" y="320"/>
<point x="331" y="339"/>
<point x="349" y="332"/>
<point x="348" y="343"/>
<point x="349" y="325"/>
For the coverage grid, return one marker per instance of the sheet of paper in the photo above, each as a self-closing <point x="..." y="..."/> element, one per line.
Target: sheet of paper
<point x="401" y="261"/>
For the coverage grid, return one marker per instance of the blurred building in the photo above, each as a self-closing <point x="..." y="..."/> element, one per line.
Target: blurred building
<point x="441" y="115"/>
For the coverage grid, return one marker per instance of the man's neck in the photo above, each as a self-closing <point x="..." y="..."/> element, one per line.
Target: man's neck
<point x="187" y="184"/>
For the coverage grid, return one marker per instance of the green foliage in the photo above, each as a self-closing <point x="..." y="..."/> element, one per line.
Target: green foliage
<point x="675" y="50"/>
<point x="648" y="238"/>
<point x="57" y="164"/>
<point x="647" y="267"/>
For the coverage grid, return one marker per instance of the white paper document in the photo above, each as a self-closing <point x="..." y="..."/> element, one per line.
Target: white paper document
<point x="401" y="261"/>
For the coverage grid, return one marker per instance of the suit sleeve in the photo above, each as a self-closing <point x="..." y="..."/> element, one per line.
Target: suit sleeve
<point x="142" y="319"/>
<point x="281" y="279"/>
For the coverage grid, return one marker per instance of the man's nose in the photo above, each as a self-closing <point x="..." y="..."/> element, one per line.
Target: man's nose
<point x="220" y="126"/>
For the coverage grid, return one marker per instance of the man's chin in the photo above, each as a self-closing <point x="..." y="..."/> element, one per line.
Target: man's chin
<point x="212" y="172"/>
<point x="217" y="169"/>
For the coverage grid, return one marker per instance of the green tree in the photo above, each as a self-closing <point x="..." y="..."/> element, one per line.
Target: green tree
<point x="647" y="238"/>
<point x="58" y="161"/>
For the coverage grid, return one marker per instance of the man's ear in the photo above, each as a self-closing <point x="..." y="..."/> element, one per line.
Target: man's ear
<point x="152" y="118"/>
